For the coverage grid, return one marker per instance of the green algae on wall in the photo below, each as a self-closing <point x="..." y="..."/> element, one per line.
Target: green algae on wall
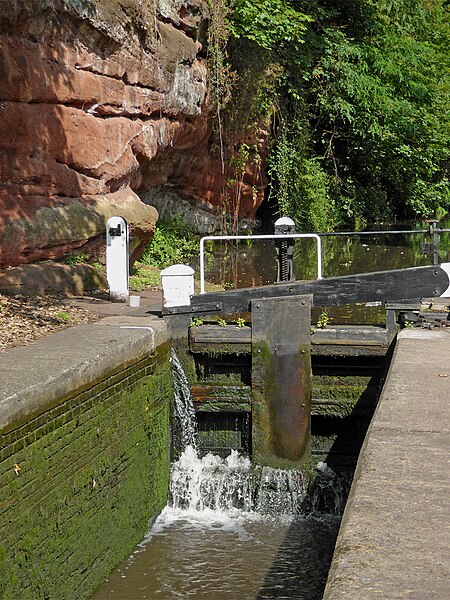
<point x="79" y="484"/>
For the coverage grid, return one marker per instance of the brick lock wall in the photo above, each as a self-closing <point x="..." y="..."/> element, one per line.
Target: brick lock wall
<point x="80" y="482"/>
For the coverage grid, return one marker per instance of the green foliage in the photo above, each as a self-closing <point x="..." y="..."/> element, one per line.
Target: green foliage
<point x="378" y="101"/>
<point x="323" y="320"/>
<point x="240" y="322"/>
<point x="220" y="82"/>
<point x="63" y="315"/>
<point x="197" y="322"/>
<point x="359" y="92"/>
<point x="222" y="322"/>
<point x="144" y="277"/>
<point x="99" y="267"/>
<point x="268" y="23"/>
<point x="172" y="243"/>
<point x="76" y="258"/>
<point x="220" y="76"/>
<point x="302" y="183"/>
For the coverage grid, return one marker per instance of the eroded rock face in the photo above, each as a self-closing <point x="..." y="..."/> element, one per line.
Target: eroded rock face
<point x="90" y="91"/>
<point x="101" y="103"/>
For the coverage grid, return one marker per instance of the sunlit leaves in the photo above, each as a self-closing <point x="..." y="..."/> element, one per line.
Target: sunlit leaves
<point x="268" y="23"/>
<point x="362" y="103"/>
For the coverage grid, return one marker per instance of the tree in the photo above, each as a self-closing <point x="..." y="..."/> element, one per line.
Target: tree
<point x="360" y="106"/>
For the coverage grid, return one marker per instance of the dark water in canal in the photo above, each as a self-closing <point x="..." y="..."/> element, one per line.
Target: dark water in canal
<point x="216" y="541"/>
<point x="252" y="263"/>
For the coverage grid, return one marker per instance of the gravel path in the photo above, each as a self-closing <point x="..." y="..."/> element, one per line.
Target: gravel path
<point x="24" y="319"/>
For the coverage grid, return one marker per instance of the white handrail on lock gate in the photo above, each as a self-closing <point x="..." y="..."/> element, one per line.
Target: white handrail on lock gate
<point x="257" y="237"/>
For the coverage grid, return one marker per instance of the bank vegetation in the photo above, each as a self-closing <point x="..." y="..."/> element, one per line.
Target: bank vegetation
<point x="356" y="95"/>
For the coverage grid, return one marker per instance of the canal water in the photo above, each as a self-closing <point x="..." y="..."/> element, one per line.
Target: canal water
<point x="221" y="539"/>
<point x="231" y="533"/>
<point x="224" y="556"/>
<point x="253" y="263"/>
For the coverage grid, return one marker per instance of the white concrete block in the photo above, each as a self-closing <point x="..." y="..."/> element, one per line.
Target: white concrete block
<point x="178" y="285"/>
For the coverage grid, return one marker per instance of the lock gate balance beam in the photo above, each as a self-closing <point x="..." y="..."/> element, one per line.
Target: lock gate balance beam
<point x="399" y="284"/>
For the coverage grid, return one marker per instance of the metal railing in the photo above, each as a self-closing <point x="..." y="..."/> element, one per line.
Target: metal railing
<point x="432" y="231"/>
<point x="282" y="236"/>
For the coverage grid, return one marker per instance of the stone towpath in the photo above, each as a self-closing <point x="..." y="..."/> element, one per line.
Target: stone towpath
<point x="394" y="540"/>
<point x="150" y="304"/>
<point x="35" y="375"/>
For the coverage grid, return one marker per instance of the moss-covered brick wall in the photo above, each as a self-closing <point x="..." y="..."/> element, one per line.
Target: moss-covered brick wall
<point x="80" y="482"/>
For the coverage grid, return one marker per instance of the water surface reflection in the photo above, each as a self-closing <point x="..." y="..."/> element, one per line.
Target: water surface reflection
<point x="206" y="556"/>
<point x="253" y="263"/>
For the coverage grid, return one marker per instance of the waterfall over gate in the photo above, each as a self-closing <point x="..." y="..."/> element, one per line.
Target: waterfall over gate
<point x="231" y="529"/>
<point x="184" y="412"/>
<point x="232" y="483"/>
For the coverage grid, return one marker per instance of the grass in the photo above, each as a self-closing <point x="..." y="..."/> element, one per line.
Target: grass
<point x="144" y="277"/>
<point x="63" y="315"/>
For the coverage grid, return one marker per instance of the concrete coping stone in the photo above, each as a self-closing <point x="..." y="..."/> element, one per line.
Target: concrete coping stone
<point x="393" y="540"/>
<point x="34" y="376"/>
<point x="422" y="334"/>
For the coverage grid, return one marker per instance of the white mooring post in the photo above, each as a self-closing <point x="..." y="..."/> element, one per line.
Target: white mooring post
<point x="117" y="258"/>
<point x="178" y="285"/>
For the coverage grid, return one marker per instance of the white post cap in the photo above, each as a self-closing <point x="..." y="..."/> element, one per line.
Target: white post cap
<point x="284" y="221"/>
<point x="178" y="285"/>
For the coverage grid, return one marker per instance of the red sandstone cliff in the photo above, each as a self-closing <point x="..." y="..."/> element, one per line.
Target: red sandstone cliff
<point x="100" y="102"/>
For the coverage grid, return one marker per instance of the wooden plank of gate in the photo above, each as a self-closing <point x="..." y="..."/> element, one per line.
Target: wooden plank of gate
<point x="281" y="380"/>
<point x="399" y="284"/>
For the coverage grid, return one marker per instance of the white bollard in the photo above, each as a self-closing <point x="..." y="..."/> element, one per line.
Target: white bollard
<point x="178" y="285"/>
<point x="117" y="258"/>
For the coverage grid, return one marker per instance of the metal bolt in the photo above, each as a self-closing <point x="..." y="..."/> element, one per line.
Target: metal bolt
<point x="218" y="306"/>
<point x="303" y="351"/>
<point x="258" y="305"/>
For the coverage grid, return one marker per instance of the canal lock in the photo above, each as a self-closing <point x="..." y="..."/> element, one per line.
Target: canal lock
<point x="232" y="528"/>
<point x="347" y="372"/>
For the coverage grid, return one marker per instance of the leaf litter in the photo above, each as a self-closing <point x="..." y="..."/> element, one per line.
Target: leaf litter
<point x="24" y="319"/>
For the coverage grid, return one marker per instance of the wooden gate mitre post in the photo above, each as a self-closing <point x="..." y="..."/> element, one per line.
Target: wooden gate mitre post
<point x="281" y="380"/>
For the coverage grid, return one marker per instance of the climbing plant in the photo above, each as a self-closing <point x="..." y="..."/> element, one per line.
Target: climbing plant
<point x="356" y="93"/>
<point x="220" y="74"/>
